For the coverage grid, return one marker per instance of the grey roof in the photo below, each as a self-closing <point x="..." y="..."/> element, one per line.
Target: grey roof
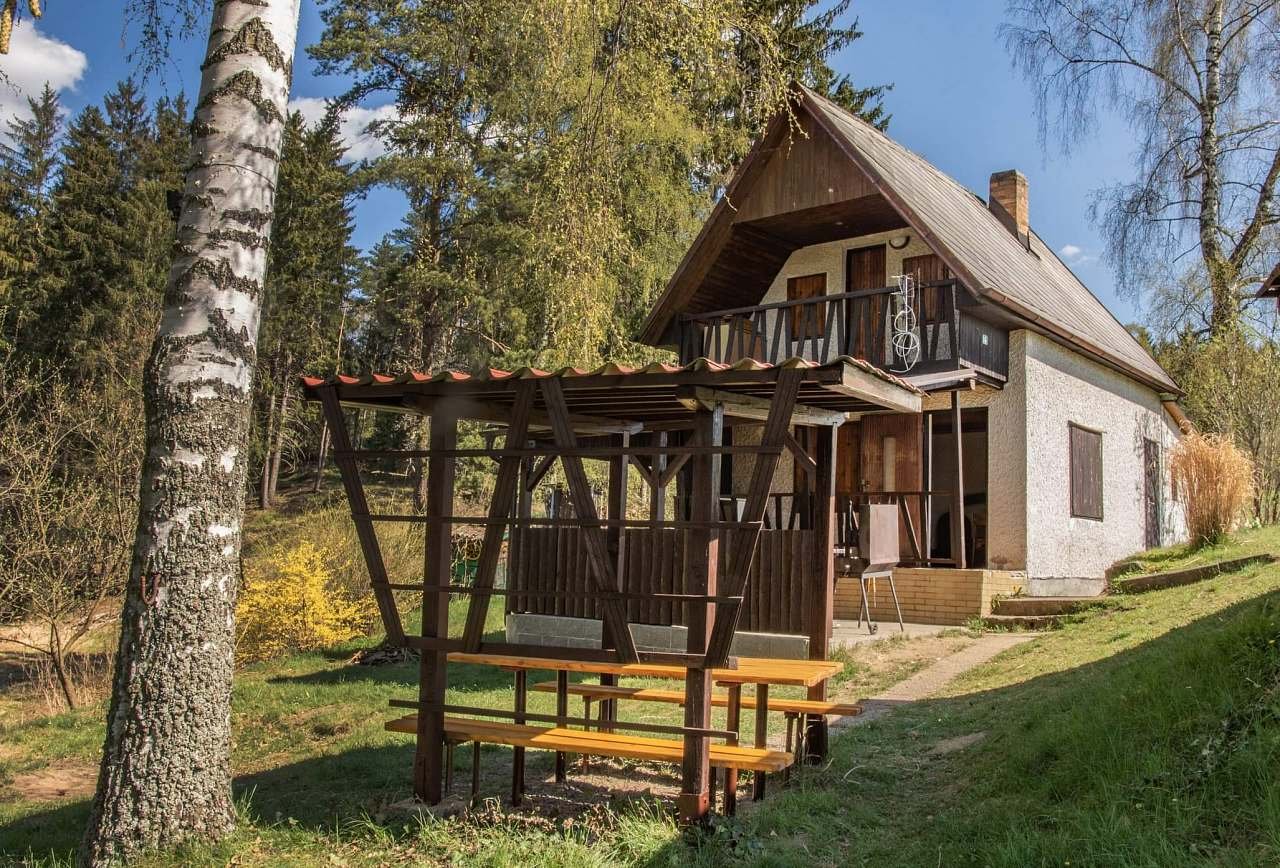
<point x="1033" y="283"/>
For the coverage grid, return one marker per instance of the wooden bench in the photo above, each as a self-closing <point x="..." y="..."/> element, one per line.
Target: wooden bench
<point x="793" y="709"/>
<point x="597" y="692"/>
<point x="589" y="742"/>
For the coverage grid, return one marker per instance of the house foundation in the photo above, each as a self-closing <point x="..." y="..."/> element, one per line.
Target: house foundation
<point x="930" y="595"/>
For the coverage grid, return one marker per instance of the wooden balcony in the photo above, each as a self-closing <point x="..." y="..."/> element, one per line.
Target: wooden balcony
<point x="858" y="324"/>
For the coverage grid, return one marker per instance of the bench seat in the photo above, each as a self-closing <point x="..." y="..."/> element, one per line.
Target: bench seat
<point x="613" y="744"/>
<point x="719" y="700"/>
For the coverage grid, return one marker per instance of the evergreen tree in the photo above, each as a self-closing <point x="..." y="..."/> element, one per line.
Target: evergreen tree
<point x="28" y="165"/>
<point x="309" y="274"/>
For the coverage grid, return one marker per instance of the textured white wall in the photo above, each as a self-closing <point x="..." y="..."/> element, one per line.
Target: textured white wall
<point x="829" y="259"/>
<point x="1063" y="387"/>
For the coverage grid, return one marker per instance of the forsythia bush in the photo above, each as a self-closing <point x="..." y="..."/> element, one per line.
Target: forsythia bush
<point x="1214" y="478"/>
<point x="293" y="604"/>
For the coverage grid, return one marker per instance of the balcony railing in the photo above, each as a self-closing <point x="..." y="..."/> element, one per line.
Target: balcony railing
<point x="858" y="324"/>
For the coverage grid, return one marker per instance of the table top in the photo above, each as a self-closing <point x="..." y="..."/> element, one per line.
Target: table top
<point x="751" y="670"/>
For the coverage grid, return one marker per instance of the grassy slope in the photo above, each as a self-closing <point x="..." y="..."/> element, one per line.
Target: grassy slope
<point x="1147" y="735"/>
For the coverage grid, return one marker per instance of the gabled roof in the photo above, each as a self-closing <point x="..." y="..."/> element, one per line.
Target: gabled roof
<point x="1034" y="285"/>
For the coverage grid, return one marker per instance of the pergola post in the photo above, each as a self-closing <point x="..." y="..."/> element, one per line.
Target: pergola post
<point x="820" y="608"/>
<point x="702" y="564"/>
<point x="428" y="764"/>
<point x="615" y="542"/>
<point x="957" y="496"/>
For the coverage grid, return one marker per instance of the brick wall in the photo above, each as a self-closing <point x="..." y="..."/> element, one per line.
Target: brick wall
<point x="930" y="596"/>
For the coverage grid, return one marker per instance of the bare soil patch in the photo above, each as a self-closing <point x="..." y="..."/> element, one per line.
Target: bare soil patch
<point x="62" y="780"/>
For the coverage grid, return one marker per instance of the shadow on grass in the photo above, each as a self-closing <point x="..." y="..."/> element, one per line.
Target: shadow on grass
<point x="1068" y="749"/>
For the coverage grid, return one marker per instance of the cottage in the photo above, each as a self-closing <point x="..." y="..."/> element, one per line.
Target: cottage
<point x="1064" y="419"/>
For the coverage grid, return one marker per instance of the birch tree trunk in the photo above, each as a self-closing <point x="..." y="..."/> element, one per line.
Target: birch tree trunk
<point x="166" y="772"/>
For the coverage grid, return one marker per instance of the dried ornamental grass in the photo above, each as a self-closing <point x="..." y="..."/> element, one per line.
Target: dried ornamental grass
<point x="1215" y="480"/>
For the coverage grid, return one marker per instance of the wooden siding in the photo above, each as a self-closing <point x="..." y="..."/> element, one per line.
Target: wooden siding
<point x="807" y="171"/>
<point x="553" y="559"/>
<point x="907" y="431"/>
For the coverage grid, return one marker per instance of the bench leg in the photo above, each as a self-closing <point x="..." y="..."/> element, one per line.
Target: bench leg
<point x="448" y="765"/>
<point x="517" y="754"/>
<point x="791" y="727"/>
<point x="583" y="760"/>
<point x="733" y="723"/>
<point x="762" y="736"/>
<point x="475" y="772"/>
<point x="562" y="711"/>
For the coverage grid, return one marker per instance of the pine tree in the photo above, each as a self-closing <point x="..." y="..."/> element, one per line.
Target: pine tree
<point x="309" y="274"/>
<point x="28" y="165"/>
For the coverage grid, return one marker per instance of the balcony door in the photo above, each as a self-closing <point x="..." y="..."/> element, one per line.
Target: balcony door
<point x="864" y="268"/>
<point x="807" y="320"/>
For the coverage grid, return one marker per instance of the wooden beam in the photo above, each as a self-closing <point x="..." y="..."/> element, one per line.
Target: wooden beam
<point x="365" y="533"/>
<point x="957" y="491"/>
<point x="615" y="536"/>
<point x="504" y="490"/>
<point x="433" y="674"/>
<point x="601" y="570"/>
<point x="702" y="564"/>
<point x="745" y="542"/>
<point x="873" y="389"/>
<point x="484" y="411"/>
<point x="658" y="494"/>
<point x="751" y="407"/>
<point x="806" y="464"/>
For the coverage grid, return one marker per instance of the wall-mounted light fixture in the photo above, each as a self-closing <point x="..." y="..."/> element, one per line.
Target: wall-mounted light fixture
<point x="898" y="242"/>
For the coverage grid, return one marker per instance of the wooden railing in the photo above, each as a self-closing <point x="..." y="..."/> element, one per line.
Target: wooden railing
<point x="857" y="324"/>
<point x="552" y="569"/>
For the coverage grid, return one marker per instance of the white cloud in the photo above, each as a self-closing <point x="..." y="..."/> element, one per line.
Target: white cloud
<point x="360" y="145"/>
<point x="1074" y="254"/>
<point x="34" y="59"/>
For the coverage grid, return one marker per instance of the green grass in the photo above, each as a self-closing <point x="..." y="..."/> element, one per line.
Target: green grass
<point x="1257" y="541"/>
<point x="1147" y="734"/>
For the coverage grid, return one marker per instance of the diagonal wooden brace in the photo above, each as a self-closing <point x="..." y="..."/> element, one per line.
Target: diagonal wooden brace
<point x="601" y="569"/>
<point x="500" y="507"/>
<point x="365" y="532"/>
<point x="744" y="542"/>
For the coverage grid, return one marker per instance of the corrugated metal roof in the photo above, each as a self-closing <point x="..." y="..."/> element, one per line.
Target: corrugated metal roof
<point x="1033" y="282"/>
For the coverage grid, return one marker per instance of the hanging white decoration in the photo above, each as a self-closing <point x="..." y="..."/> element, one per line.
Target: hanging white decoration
<point x="905" y="335"/>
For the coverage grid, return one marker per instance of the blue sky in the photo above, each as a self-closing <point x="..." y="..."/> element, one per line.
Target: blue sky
<point x="956" y="100"/>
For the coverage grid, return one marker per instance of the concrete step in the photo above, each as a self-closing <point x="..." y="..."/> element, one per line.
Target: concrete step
<point x="1044" y="605"/>
<point x="1022" y="622"/>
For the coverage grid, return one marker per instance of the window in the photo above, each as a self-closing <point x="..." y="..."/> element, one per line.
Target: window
<point x="1086" y="472"/>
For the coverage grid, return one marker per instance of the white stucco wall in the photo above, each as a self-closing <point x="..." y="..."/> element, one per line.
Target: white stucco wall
<point x="829" y="258"/>
<point x="1062" y="387"/>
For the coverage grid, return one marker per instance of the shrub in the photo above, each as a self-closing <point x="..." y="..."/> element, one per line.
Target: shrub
<point x="292" y="603"/>
<point x="1215" y="480"/>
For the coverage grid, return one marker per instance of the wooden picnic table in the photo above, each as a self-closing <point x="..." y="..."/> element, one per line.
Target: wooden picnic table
<point x="759" y="671"/>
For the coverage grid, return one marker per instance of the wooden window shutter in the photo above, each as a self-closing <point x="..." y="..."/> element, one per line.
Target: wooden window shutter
<point x="1086" y="472"/>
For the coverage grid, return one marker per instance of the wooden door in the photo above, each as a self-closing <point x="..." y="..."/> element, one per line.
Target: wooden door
<point x="928" y="269"/>
<point x="807" y="320"/>
<point x="1151" y="492"/>
<point x="864" y="268"/>
<point x="891" y="461"/>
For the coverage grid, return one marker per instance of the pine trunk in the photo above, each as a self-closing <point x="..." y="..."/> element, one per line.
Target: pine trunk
<point x="166" y="772"/>
<point x="321" y="455"/>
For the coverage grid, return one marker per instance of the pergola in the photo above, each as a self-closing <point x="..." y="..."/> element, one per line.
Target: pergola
<point x="626" y="417"/>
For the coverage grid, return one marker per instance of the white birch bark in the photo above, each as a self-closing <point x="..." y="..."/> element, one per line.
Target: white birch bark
<point x="166" y="774"/>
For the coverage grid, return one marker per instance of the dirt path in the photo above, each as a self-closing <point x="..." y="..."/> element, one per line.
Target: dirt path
<point x="934" y="677"/>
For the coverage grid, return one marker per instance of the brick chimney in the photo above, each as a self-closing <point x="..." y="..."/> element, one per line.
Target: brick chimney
<point x="1008" y="201"/>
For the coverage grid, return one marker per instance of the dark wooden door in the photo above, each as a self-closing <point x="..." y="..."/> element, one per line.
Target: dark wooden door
<point x="864" y="268"/>
<point x="807" y="320"/>
<point x="928" y="269"/>
<point x="1151" y="491"/>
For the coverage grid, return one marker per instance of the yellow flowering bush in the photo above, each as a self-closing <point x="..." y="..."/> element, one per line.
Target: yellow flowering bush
<point x="292" y="603"/>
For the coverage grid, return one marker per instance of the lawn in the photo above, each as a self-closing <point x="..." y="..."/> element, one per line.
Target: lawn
<point x="1147" y="734"/>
